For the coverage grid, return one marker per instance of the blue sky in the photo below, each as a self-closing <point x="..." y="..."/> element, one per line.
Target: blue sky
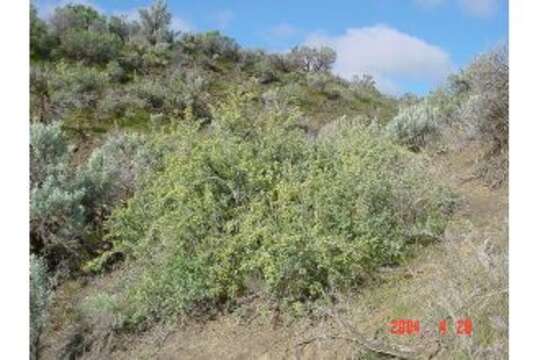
<point x="407" y="45"/>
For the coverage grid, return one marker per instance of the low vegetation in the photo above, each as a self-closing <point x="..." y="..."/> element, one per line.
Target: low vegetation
<point x="69" y="203"/>
<point x="473" y="105"/>
<point x="197" y="174"/>
<point x="40" y="296"/>
<point x="254" y="206"/>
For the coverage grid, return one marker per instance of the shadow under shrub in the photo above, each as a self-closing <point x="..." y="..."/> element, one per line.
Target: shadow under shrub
<point x="251" y="201"/>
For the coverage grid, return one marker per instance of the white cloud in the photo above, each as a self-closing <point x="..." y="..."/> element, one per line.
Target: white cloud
<point x="389" y="55"/>
<point x="283" y="30"/>
<point x="480" y="7"/>
<point x="223" y="19"/>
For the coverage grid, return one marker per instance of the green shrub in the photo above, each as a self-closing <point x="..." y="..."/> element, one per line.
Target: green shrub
<point x="471" y="106"/>
<point x="75" y="17"/>
<point x="130" y="57"/>
<point x="254" y="202"/>
<point x="77" y="88"/>
<point x="172" y="95"/>
<point x="364" y="87"/>
<point x="40" y="296"/>
<point x="414" y="125"/>
<point x="273" y="99"/>
<point x="91" y="47"/>
<point x="156" y="57"/>
<point x="115" y="105"/>
<point x="155" y="21"/>
<point x="187" y="89"/>
<point x="319" y="81"/>
<point x="102" y="312"/>
<point x="67" y="203"/>
<point x="57" y="217"/>
<point x="211" y="44"/>
<point x="151" y="92"/>
<point x="264" y="71"/>
<point x="310" y="59"/>
<point x="117" y="74"/>
<point x="248" y="58"/>
<point x="260" y="61"/>
<point x="40" y="92"/>
<point x="139" y="56"/>
<point x="294" y="93"/>
<point x="48" y="151"/>
<point x="83" y="35"/>
<point x="41" y="40"/>
<point x="120" y="26"/>
<point x="123" y="160"/>
<point x="282" y="62"/>
<point x="330" y="86"/>
<point x="486" y="108"/>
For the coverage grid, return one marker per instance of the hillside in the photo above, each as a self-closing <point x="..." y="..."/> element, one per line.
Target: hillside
<point x="193" y="199"/>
